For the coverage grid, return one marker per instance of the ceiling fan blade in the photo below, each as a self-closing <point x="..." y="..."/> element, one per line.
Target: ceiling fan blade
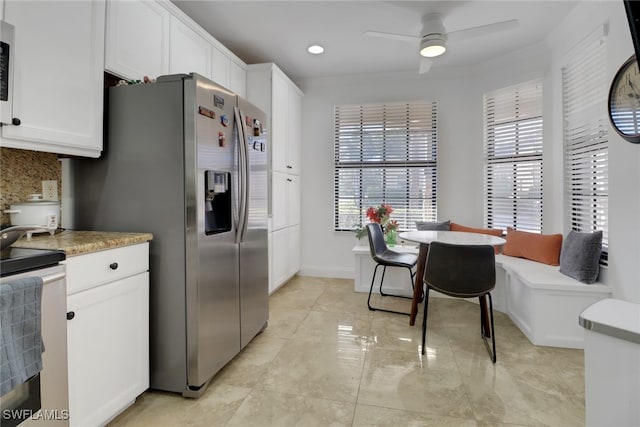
<point x="425" y="65"/>
<point x="392" y="36"/>
<point x="482" y="30"/>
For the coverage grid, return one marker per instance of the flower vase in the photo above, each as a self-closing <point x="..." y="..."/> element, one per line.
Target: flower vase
<point x="391" y="236"/>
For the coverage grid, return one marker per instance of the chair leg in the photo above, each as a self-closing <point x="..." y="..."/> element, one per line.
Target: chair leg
<point x="424" y="320"/>
<point x="394" y="295"/>
<point x="492" y="333"/>
<point x="373" y="279"/>
<point x="484" y="315"/>
<point x="412" y="278"/>
<point x="384" y="270"/>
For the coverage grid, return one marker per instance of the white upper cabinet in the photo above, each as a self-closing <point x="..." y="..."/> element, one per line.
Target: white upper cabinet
<point x="279" y="100"/>
<point x="62" y="49"/>
<point x="220" y="67"/>
<point x="294" y="129"/>
<point x="238" y="79"/>
<point x="137" y="41"/>
<point x="58" y="76"/>
<point x="189" y="51"/>
<point x="271" y="90"/>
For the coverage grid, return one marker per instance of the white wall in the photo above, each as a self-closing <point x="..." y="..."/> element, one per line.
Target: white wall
<point x="460" y="186"/>
<point x="623" y="272"/>
<point x="459" y="95"/>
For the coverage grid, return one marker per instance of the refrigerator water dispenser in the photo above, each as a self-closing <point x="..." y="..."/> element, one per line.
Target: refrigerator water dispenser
<point x="217" y="202"/>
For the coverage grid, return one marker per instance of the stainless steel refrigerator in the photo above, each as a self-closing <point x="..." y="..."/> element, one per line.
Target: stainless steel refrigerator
<point x="186" y="159"/>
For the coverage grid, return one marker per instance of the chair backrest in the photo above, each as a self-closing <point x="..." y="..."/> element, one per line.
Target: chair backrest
<point x="377" y="245"/>
<point x="461" y="270"/>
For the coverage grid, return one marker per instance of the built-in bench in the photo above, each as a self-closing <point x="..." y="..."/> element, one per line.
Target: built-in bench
<point x="544" y="303"/>
<point x="541" y="301"/>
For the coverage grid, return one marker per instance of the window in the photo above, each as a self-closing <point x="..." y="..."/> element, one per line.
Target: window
<point x="385" y="153"/>
<point x="513" y="157"/>
<point x="586" y="182"/>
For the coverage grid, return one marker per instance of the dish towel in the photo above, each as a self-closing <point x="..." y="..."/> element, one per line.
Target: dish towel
<point x="21" y="344"/>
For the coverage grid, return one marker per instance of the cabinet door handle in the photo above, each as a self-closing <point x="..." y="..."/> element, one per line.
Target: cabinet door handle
<point x="15" y="121"/>
<point x="289" y="179"/>
<point x="71" y="315"/>
<point x="289" y="167"/>
<point x="113" y="265"/>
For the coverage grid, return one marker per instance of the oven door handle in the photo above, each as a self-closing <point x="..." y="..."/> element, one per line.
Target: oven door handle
<point x="53" y="278"/>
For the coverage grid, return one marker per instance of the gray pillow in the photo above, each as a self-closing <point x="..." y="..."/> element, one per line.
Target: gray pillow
<point x="580" y="256"/>
<point x="426" y="225"/>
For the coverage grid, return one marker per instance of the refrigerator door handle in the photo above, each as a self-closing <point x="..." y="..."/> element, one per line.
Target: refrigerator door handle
<point x="241" y="175"/>
<point x="247" y="175"/>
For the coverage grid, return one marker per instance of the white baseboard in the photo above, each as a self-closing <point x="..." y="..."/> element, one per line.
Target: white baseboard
<point x="334" y="273"/>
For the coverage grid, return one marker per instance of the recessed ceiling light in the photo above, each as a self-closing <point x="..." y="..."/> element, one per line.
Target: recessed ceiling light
<point x="315" y="49"/>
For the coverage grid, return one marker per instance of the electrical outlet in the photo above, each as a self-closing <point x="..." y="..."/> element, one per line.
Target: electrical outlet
<point x="52" y="221"/>
<point x="50" y="190"/>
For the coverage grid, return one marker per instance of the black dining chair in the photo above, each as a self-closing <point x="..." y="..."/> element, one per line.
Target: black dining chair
<point x="385" y="257"/>
<point x="462" y="271"/>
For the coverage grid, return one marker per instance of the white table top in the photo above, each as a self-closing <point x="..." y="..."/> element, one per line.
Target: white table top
<point x="451" y="237"/>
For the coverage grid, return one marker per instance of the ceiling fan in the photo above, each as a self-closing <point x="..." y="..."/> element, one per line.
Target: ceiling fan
<point x="433" y="38"/>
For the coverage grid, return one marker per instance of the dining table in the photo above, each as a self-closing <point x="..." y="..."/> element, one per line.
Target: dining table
<point x="424" y="238"/>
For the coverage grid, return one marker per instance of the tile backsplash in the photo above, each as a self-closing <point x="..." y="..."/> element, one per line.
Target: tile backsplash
<point x="22" y="173"/>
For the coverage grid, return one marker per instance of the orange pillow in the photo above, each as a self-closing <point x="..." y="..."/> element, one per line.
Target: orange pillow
<point x="492" y="231"/>
<point x="544" y="248"/>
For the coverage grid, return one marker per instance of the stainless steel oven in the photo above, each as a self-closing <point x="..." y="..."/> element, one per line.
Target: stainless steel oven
<point x="43" y="399"/>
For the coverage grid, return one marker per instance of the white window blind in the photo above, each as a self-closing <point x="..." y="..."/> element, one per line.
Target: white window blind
<point x="513" y="157"/>
<point x="385" y="153"/>
<point x="586" y="157"/>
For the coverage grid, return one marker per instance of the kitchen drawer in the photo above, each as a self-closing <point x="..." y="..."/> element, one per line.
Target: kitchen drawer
<point x="97" y="268"/>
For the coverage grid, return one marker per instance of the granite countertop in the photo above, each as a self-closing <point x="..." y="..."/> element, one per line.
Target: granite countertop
<point x="82" y="242"/>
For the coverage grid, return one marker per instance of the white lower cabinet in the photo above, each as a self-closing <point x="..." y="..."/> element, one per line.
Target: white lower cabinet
<point x="279" y="200"/>
<point x="285" y="255"/>
<point x="108" y="334"/>
<point x="293" y="200"/>
<point x="279" y="268"/>
<point x="293" y="248"/>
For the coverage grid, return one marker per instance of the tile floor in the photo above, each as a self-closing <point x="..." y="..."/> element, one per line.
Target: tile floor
<point x="326" y="360"/>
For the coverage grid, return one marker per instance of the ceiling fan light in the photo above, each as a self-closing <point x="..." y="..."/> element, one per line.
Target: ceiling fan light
<point x="432" y="47"/>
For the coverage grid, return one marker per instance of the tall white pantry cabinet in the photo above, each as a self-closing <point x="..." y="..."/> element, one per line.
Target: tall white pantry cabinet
<point x="273" y="92"/>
